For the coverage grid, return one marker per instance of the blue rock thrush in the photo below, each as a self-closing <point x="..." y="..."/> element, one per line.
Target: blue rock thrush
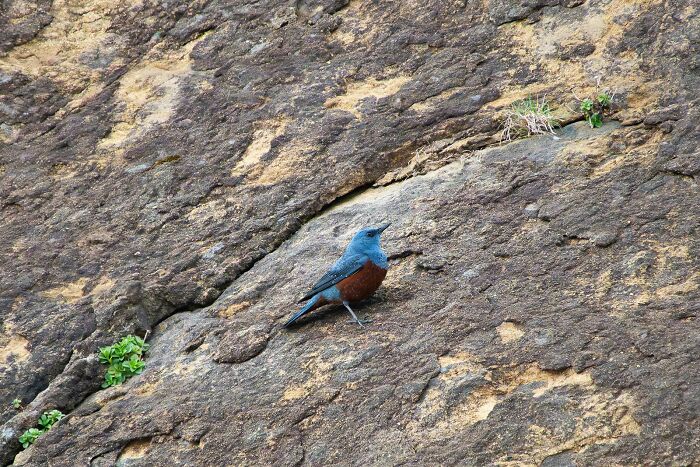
<point x="355" y="276"/>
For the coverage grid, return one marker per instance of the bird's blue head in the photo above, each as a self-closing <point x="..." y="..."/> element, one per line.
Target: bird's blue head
<point x="367" y="239"/>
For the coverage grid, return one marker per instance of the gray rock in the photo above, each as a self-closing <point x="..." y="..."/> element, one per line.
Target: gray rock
<point x="161" y="137"/>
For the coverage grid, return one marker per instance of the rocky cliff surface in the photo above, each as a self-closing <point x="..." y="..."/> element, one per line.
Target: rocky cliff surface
<point x="190" y="168"/>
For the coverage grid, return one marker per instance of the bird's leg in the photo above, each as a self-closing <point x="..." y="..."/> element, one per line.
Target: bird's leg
<point x="359" y="321"/>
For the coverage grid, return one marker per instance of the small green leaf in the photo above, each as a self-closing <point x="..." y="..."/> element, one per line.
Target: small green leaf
<point x="44" y="421"/>
<point x="28" y="437"/>
<point x="106" y="355"/>
<point x="604" y="99"/>
<point x="586" y="105"/>
<point x="596" y="120"/>
<point x="54" y="415"/>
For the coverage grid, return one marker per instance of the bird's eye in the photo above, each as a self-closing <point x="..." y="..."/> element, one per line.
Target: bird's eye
<point x="370" y="234"/>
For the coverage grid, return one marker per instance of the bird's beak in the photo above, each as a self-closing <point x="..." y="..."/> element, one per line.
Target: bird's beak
<point x="382" y="228"/>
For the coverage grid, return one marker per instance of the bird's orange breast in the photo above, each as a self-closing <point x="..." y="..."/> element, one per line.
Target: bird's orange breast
<point x="362" y="284"/>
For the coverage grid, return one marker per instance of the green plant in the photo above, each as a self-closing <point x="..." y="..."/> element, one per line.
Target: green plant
<point x="46" y="421"/>
<point x="17" y="403"/>
<point x="29" y="436"/>
<point x="593" y="109"/>
<point x="125" y="359"/>
<point x="528" y="117"/>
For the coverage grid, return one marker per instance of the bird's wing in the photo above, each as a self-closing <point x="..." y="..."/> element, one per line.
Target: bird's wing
<point x="344" y="268"/>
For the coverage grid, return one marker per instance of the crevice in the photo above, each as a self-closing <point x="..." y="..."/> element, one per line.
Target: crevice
<point x="26" y="404"/>
<point x="424" y="390"/>
<point x="275" y="245"/>
<point x="311" y="412"/>
<point x="537" y="11"/>
<point x="573" y="239"/>
<point x="431" y="96"/>
<point x="100" y="454"/>
<point x="197" y="35"/>
<point x="141" y="439"/>
<point x="404" y="254"/>
<point x="677" y="173"/>
<point x="303" y="451"/>
<point x="485" y="143"/>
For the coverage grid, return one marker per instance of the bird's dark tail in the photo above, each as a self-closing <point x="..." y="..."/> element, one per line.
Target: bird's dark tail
<point x="305" y="309"/>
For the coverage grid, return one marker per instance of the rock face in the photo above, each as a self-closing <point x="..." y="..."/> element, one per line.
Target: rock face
<point x="190" y="168"/>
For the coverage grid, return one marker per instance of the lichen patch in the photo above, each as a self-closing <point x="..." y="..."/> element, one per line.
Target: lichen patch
<point x="509" y="332"/>
<point x="15" y="349"/>
<point x="265" y="132"/>
<point x="356" y="92"/>
<point x="135" y="449"/>
<point x="67" y="293"/>
<point x="149" y="93"/>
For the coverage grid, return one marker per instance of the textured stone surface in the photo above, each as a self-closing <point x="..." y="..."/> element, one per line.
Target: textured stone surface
<point x="181" y="168"/>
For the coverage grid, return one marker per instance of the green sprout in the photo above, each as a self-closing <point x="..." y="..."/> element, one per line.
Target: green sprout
<point x="124" y="360"/>
<point x="46" y="421"/>
<point x="17" y="403"/>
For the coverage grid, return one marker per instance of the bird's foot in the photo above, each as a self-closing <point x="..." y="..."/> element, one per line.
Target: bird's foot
<point x="355" y="319"/>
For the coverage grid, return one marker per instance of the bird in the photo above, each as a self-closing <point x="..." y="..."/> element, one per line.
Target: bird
<point x="355" y="276"/>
